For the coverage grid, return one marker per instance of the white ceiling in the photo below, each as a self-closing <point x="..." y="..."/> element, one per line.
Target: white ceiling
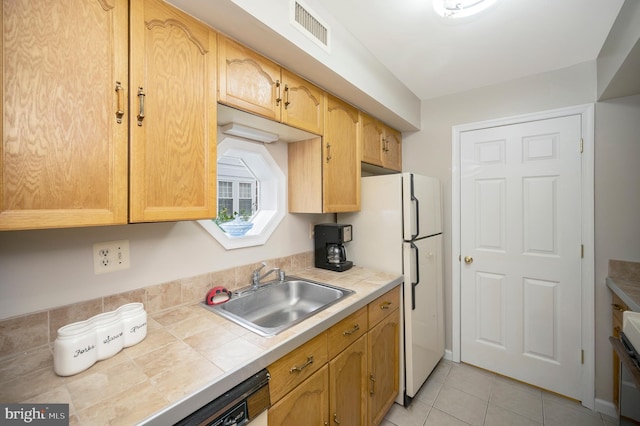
<point x="435" y="56"/>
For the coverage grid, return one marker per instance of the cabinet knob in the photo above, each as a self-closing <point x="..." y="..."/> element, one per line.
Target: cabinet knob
<point x="617" y="307"/>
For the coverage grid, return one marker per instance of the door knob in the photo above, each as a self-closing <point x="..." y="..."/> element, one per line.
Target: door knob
<point x="468" y="260"/>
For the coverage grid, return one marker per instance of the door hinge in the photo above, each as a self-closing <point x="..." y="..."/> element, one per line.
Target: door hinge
<point x="581" y="145"/>
<point x="581" y="251"/>
<point x="582" y="356"/>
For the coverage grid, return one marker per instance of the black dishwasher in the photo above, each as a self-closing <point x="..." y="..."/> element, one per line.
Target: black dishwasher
<point x="235" y="407"/>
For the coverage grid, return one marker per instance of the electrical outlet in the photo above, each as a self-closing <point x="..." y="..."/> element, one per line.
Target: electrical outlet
<point x="111" y="256"/>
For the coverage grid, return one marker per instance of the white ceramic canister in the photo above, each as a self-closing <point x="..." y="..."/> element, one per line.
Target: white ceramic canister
<point x="134" y="321"/>
<point x="109" y="334"/>
<point x="75" y="348"/>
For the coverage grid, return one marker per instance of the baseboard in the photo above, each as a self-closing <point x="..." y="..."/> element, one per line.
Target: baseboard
<point x="606" y="408"/>
<point x="448" y="355"/>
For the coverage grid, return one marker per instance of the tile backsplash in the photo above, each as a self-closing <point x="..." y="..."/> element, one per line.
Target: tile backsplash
<point x="26" y="332"/>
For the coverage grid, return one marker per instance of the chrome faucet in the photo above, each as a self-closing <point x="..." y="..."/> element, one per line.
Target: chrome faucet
<point x="256" y="278"/>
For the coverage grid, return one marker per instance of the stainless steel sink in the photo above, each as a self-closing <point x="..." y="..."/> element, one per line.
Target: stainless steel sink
<point x="278" y="305"/>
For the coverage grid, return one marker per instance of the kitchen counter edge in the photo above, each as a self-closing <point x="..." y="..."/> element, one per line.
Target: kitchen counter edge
<point x="628" y="291"/>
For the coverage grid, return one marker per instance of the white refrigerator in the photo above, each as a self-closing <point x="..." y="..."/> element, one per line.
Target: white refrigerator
<point x="399" y="230"/>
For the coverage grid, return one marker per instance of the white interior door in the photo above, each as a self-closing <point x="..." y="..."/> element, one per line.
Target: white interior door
<point x="520" y="243"/>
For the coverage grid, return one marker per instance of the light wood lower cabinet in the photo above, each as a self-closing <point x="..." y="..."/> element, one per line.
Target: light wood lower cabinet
<point x="354" y="385"/>
<point x="348" y="385"/>
<point x="383" y="366"/>
<point x="304" y="405"/>
<point x="617" y="307"/>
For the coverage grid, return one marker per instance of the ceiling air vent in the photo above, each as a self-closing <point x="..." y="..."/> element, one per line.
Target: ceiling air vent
<point x="309" y="24"/>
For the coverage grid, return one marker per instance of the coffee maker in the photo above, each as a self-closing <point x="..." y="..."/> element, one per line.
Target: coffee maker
<point x="330" y="252"/>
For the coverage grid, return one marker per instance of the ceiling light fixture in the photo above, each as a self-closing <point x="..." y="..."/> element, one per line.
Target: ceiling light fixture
<point x="247" y="132"/>
<point x="460" y="8"/>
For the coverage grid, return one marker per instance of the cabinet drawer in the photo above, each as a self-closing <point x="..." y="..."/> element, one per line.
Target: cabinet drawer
<point x="383" y="306"/>
<point x="347" y="331"/>
<point x="618" y="307"/>
<point x="293" y="368"/>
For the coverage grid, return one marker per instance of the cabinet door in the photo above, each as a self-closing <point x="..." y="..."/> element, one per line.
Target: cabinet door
<point x="173" y="118"/>
<point x="383" y="354"/>
<point x="302" y="104"/>
<point x="63" y="157"/>
<point x="306" y="405"/>
<point x="341" y="157"/>
<point x="348" y="385"/>
<point x="248" y="81"/>
<point x="372" y="140"/>
<point x="392" y="149"/>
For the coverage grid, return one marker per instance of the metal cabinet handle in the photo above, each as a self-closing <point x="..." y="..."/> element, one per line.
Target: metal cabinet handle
<point x="355" y="328"/>
<point x="335" y="418"/>
<point x="296" y="369"/>
<point x="120" y="105"/>
<point x="141" y="96"/>
<point x="278" y="98"/>
<point x="385" y="305"/>
<point x="328" y="152"/>
<point x="617" y="307"/>
<point x="372" y="389"/>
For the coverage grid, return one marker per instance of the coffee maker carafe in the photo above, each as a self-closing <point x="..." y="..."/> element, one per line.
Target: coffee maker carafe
<point x="330" y="252"/>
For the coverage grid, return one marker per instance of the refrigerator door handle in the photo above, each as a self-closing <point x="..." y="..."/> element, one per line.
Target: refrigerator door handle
<point x="415" y="284"/>
<point x="417" y="202"/>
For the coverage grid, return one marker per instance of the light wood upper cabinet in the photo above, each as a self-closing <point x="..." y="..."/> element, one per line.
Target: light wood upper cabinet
<point x="341" y="157"/>
<point x="381" y="145"/>
<point x="63" y="157"/>
<point x="392" y="149"/>
<point x="247" y="80"/>
<point x="302" y="104"/>
<point x="173" y="118"/>
<point x="324" y="173"/>
<point x="253" y="83"/>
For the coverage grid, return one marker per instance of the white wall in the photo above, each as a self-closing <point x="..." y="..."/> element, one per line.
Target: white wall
<point x="617" y="174"/>
<point x="42" y="269"/>
<point x="617" y="213"/>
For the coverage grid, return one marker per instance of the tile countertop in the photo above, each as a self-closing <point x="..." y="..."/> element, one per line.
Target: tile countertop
<point x="189" y="357"/>
<point x="628" y="291"/>
<point x="624" y="280"/>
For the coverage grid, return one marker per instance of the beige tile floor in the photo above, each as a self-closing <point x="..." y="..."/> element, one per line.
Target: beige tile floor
<point x="460" y="395"/>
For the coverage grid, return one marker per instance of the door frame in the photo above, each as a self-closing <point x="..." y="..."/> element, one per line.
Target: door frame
<point x="586" y="112"/>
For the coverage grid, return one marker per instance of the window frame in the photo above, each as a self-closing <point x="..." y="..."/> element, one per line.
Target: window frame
<point x="272" y="194"/>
